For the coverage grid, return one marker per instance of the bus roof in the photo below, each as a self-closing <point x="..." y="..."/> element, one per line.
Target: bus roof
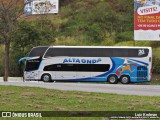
<point x="98" y="47"/>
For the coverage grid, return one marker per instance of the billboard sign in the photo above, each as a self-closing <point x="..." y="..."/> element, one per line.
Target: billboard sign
<point x="40" y="7"/>
<point x="147" y="20"/>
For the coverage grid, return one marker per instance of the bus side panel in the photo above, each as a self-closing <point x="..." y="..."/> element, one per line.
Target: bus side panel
<point x="118" y="66"/>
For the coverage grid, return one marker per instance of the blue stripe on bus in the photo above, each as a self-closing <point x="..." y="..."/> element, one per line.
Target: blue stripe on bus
<point x="139" y="62"/>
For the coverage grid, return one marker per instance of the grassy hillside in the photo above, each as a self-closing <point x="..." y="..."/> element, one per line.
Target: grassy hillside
<point x="90" y="22"/>
<point x="94" y="22"/>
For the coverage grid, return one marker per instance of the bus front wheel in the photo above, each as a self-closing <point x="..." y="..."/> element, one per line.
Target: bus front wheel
<point x="125" y="79"/>
<point x="112" y="79"/>
<point x="46" y="78"/>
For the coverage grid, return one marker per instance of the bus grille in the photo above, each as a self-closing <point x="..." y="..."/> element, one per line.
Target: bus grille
<point x="142" y="73"/>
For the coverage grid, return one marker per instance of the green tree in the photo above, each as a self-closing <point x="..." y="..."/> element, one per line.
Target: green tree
<point x="9" y="14"/>
<point x="26" y="36"/>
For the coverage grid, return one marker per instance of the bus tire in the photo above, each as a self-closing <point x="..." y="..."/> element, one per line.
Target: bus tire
<point x="46" y="78"/>
<point x="112" y="79"/>
<point x="125" y="79"/>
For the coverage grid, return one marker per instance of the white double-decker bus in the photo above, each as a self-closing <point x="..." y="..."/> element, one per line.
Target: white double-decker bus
<point x="89" y="64"/>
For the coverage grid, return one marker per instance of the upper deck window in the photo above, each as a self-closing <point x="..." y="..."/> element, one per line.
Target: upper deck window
<point x="38" y="51"/>
<point x="97" y="52"/>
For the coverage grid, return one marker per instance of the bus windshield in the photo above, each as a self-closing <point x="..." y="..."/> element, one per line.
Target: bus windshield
<point x="33" y="64"/>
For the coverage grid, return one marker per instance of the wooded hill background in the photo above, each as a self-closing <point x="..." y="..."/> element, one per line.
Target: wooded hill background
<point x="79" y="22"/>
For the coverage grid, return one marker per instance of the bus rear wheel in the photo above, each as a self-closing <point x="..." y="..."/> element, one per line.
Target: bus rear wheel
<point x="112" y="79"/>
<point x="125" y="79"/>
<point x="46" y="78"/>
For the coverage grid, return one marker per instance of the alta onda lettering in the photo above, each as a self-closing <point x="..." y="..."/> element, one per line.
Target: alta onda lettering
<point x="86" y="61"/>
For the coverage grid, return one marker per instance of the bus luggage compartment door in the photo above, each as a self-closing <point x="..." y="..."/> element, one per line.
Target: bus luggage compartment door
<point x="142" y="73"/>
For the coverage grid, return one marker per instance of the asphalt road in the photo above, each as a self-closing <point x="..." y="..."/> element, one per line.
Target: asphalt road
<point x="141" y="90"/>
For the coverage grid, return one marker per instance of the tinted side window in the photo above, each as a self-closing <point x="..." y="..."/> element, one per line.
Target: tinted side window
<point x="138" y="52"/>
<point x="84" y="67"/>
<point x="93" y="67"/>
<point x="69" y="67"/>
<point x="78" y="67"/>
<point x="49" y="53"/>
<point x="97" y="52"/>
<point x="100" y="67"/>
<point x="119" y="52"/>
<point x="61" y="67"/>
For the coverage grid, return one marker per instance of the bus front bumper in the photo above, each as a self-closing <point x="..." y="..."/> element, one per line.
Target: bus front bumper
<point x="31" y="75"/>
